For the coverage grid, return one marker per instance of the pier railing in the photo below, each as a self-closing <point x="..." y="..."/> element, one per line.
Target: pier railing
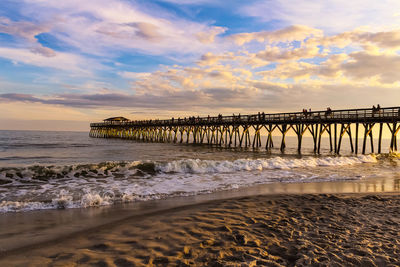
<point x="346" y="115"/>
<point x="235" y="129"/>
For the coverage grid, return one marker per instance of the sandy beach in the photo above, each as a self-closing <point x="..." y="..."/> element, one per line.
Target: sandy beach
<point x="265" y="230"/>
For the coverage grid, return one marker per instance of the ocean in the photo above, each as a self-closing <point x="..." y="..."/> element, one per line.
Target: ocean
<point x="65" y="170"/>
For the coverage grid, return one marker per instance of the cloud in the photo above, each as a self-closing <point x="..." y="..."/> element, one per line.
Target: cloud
<point x="44" y="51"/>
<point x="314" y="64"/>
<point x="19" y="97"/>
<point x="363" y="65"/>
<point x="227" y="79"/>
<point x="134" y="75"/>
<point x="105" y="26"/>
<point x="207" y="37"/>
<point x="303" y="72"/>
<point x="268" y="97"/>
<point x="147" y="31"/>
<point x="294" y="70"/>
<point x="23" y="29"/>
<point x="331" y="15"/>
<point x="27" y="31"/>
<point x="276" y="54"/>
<point x="270" y="86"/>
<point x="382" y="39"/>
<point x="288" y="34"/>
<point x="209" y="58"/>
<point x="298" y="64"/>
<point x="139" y="30"/>
<point x="178" y="100"/>
<point x="190" y="2"/>
<point x="60" y="60"/>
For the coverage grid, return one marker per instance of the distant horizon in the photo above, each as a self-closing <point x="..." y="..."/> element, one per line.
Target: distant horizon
<point x="21" y="130"/>
<point x="84" y="126"/>
<point x="385" y="136"/>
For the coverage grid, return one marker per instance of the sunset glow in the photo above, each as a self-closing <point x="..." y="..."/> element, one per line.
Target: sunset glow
<point x="82" y="61"/>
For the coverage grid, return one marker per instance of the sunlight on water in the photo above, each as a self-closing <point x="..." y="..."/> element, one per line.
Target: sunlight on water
<point x="54" y="170"/>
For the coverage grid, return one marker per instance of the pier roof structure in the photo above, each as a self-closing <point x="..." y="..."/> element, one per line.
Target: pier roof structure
<point x="116" y="119"/>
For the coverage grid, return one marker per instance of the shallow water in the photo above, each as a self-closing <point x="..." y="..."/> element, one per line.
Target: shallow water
<point x="58" y="170"/>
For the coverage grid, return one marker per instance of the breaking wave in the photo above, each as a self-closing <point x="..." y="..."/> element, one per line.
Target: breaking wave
<point x="89" y="185"/>
<point x="196" y="166"/>
<point x="212" y="166"/>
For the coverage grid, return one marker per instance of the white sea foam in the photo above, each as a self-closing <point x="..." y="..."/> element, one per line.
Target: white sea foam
<point x="18" y="206"/>
<point x="211" y="166"/>
<point x="83" y="186"/>
<point x="94" y="200"/>
<point x="65" y="200"/>
<point x="39" y="174"/>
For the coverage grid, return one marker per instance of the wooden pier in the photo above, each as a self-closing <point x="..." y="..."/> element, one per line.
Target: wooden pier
<point x="246" y="130"/>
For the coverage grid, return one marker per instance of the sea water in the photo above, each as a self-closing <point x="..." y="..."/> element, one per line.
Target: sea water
<point x="62" y="170"/>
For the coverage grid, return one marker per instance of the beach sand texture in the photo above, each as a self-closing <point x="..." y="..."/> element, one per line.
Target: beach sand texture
<point x="280" y="230"/>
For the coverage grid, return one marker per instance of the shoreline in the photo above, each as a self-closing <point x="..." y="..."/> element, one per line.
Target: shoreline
<point x="39" y="230"/>
<point x="41" y="226"/>
<point x="277" y="230"/>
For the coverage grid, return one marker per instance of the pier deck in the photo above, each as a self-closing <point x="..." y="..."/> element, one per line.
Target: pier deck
<point x="245" y="130"/>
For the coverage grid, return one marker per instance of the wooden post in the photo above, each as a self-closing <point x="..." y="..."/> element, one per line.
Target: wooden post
<point x="230" y="136"/>
<point x="322" y="129"/>
<point x="380" y="137"/>
<point x="236" y="133"/>
<point x="392" y="136"/>
<point x="315" y="136"/>
<point x="283" y="145"/>
<point x="226" y="135"/>
<point x="356" y="141"/>
<point x="241" y="138"/>
<point x="270" y="142"/>
<point x="299" y="130"/>
<point x="365" y="137"/>
<point x="246" y="137"/>
<point x="351" y="139"/>
<point x="393" y="142"/>
<point x="372" y="140"/>
<point x="340" y="138"/>
<point x="330" y="137"/>
<point x="216" y="138"/>
<point x="335" y="125"/>
<point x="255" y="135"/>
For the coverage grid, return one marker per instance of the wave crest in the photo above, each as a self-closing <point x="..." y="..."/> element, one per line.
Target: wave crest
<point x="212" y="166"/>
<point x="107" y="183"/>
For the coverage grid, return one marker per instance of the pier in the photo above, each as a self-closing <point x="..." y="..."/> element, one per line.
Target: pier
<point x="246" y="130"/>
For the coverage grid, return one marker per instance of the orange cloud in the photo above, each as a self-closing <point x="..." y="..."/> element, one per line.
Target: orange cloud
<point x="292" y="33"/>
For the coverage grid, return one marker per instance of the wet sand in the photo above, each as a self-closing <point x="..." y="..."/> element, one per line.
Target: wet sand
<point x="265" y="230"/>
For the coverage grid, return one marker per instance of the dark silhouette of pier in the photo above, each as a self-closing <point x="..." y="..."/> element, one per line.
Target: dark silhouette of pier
<point x="245" y="130"/>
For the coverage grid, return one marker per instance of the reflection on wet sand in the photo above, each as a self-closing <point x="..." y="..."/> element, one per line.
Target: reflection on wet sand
<point x="19" y="230"/>
<point x="264" y="230"/>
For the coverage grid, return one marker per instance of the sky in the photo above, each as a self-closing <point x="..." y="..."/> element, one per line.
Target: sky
<point x="66" y="63"/>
